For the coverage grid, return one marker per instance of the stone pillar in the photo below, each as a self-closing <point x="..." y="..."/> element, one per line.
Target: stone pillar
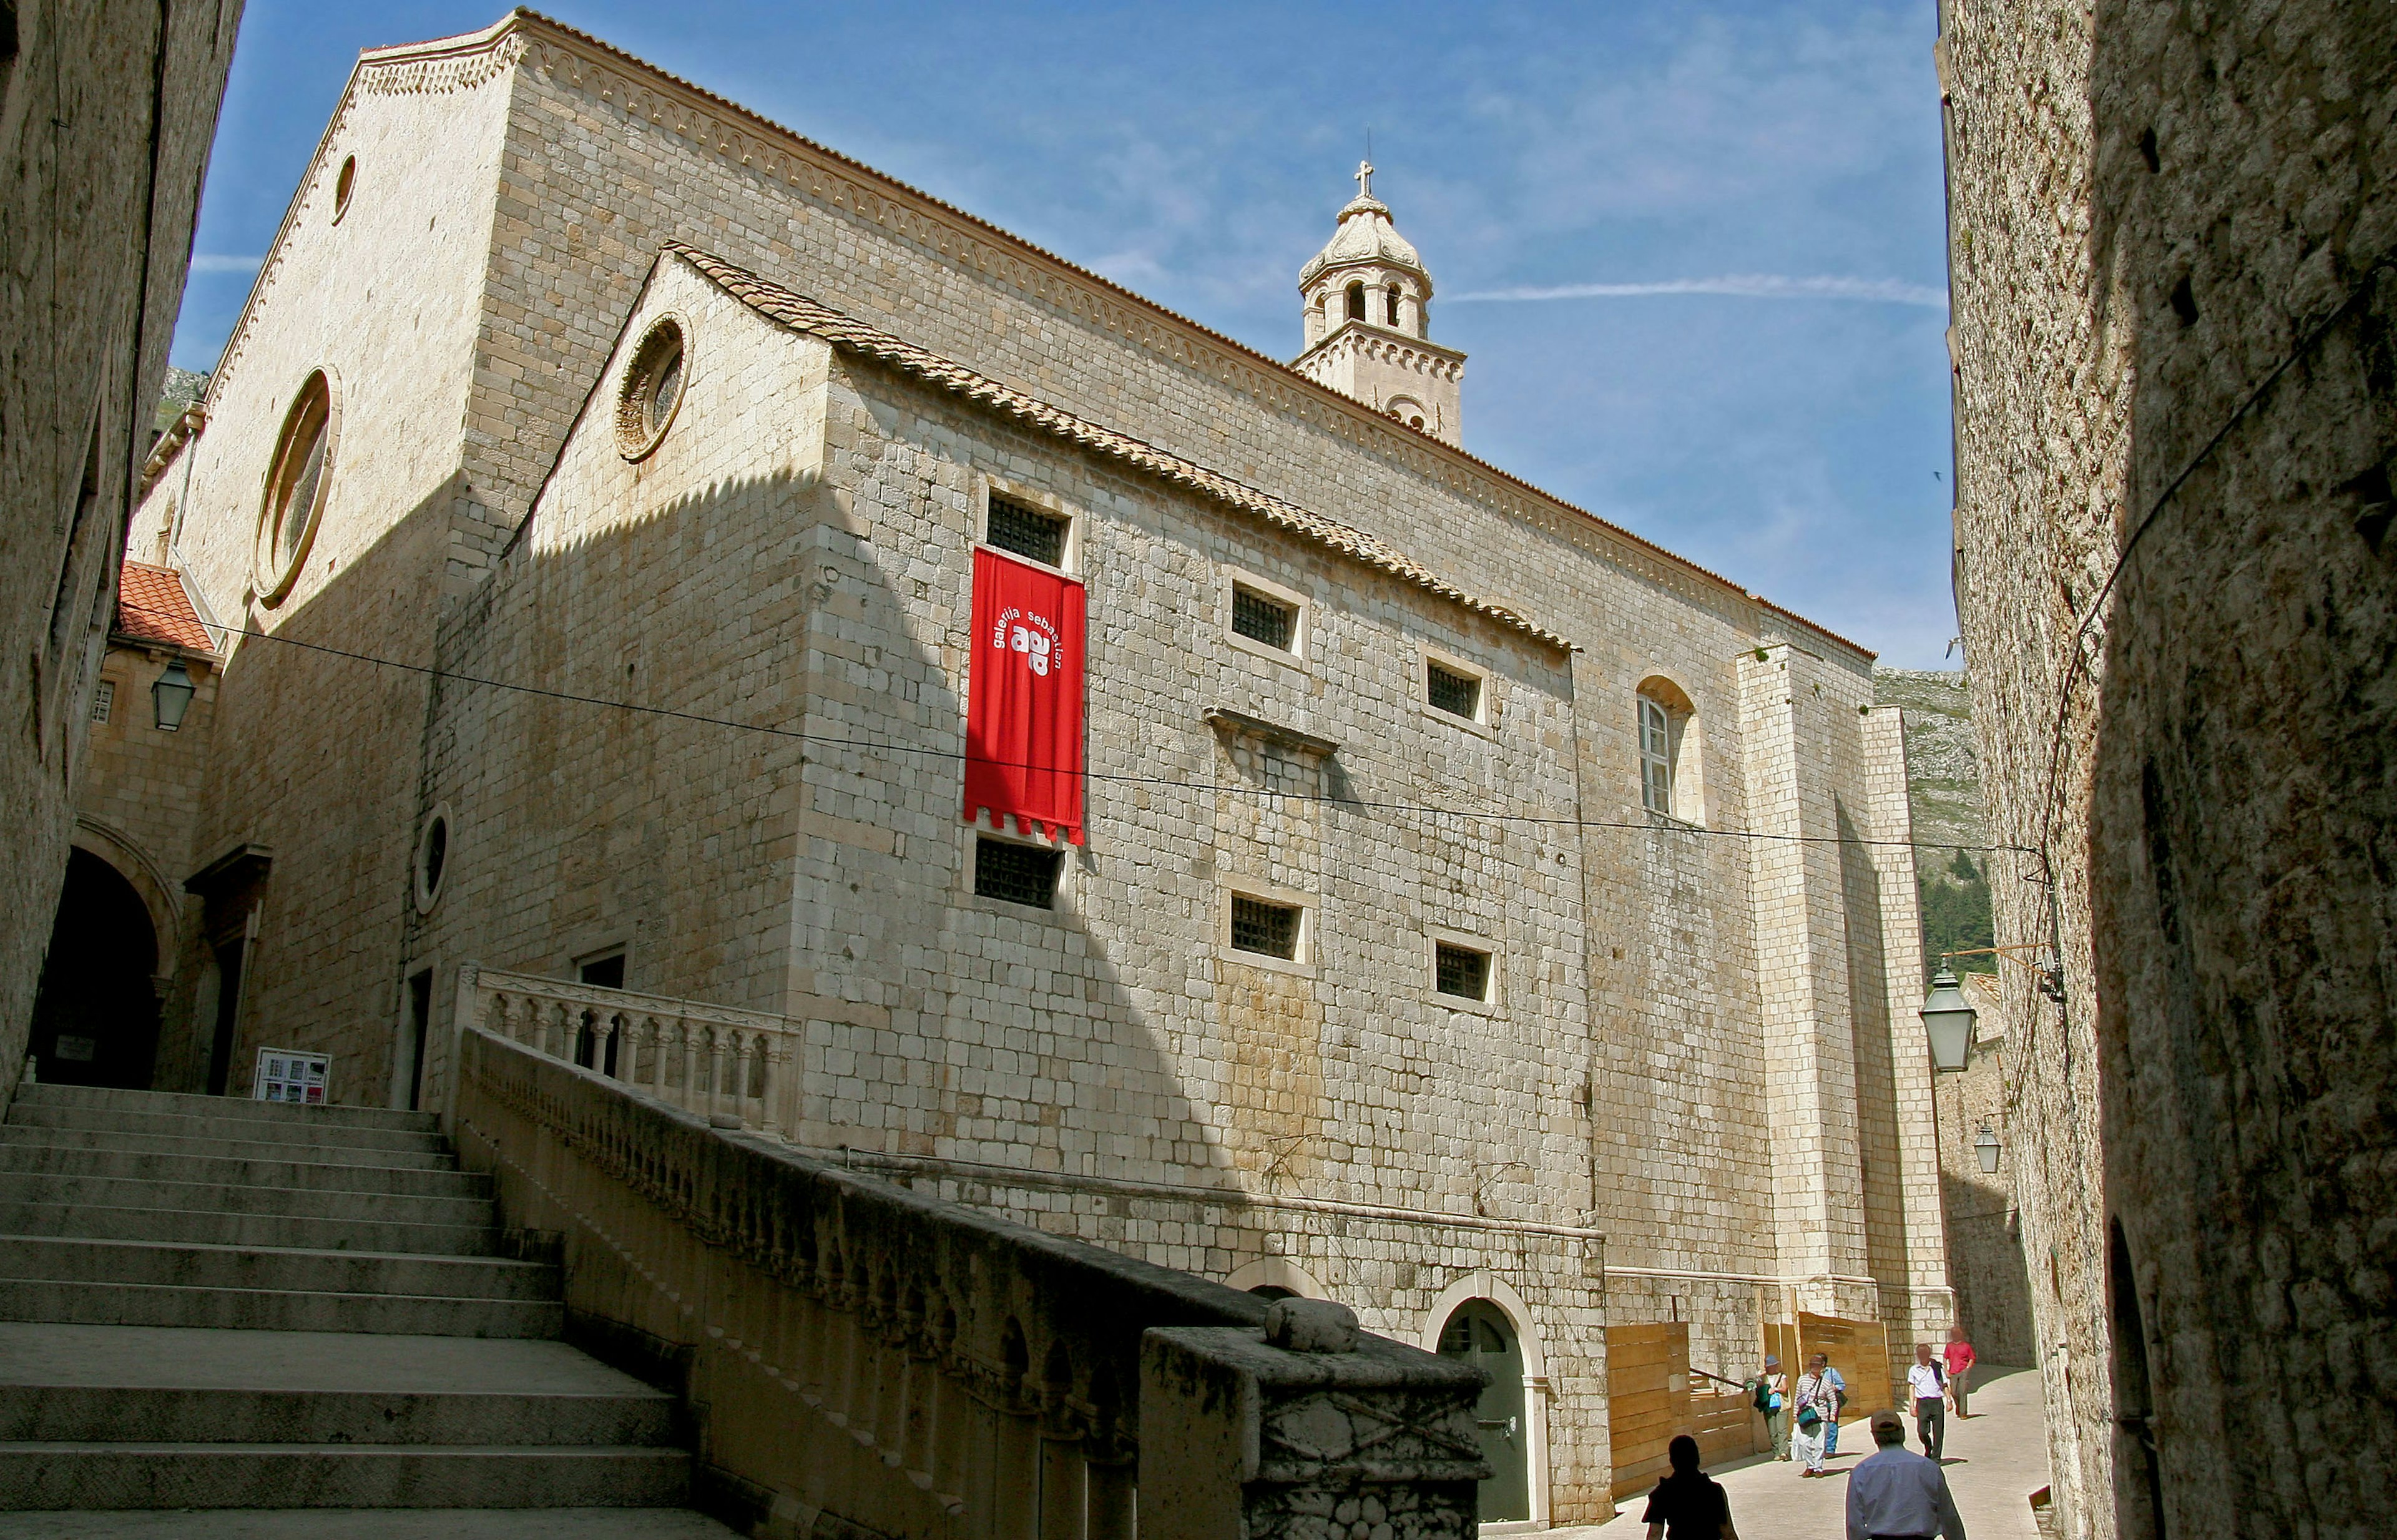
<point x="1802" y="969"/>
<point x="1930" y="1304"/>
<point x="1304" y="1430"/>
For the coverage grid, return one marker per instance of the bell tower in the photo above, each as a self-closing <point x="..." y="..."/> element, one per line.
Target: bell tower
<point x="1369" y="321"/>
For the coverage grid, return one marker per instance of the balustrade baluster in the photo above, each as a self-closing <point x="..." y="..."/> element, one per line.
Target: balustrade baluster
<point x="684" y="1028"/>
<point x="1113" y="1498"/>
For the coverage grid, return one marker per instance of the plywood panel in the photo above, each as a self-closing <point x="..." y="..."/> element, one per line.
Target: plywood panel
<point x="1650" y="1400"/>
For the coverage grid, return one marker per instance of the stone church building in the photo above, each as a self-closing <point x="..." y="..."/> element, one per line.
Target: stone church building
<point x="1469" y="911"/>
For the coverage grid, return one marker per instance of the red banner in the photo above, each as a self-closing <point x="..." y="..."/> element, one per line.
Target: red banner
<point x="1023" y="698"/>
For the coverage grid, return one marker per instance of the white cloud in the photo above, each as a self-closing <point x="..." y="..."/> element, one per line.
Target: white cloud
<point x="1749" y="286"/>
<point x="206" y="263"/>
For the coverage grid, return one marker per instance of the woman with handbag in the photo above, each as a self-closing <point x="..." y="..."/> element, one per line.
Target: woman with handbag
<point x="1813" y="1406"/>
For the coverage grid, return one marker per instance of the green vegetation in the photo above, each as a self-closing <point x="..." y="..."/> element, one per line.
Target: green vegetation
<point x="1956" y="915"/>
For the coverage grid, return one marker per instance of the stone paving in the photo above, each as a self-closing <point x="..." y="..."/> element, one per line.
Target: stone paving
<point x="1995" y="1460"/>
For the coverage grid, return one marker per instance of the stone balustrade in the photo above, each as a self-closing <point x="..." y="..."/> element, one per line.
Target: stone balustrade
<point x="863" y="1360"/>
<point x="712" y="1059"/>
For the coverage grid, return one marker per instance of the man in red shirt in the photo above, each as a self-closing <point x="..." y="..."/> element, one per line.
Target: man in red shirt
<point x="1961" y="1358"/>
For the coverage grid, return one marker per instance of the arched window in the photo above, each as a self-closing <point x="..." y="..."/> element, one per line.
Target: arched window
<point x="1390" y="307"/>
<point x="1669" y="753"/>
<point x="1357" y="301"/>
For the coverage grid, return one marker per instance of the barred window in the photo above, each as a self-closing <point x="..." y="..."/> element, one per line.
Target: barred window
<point x="1264" y="620"/>
<point x="1460" y="970"/>
<point x="1258" y="925"/>
<point x="1458" y="694"/>
<point x="1017" y="873"/>
<point x="1026" y="531"/>
<point x="103" y="700"/>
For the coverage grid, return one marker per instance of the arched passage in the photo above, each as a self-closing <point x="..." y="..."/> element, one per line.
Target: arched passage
<point x="95" y="1017"/>
<point x="1277" y="1278"/>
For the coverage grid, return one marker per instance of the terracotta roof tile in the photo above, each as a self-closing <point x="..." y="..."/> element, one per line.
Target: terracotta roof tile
<point x="152" y="606"/>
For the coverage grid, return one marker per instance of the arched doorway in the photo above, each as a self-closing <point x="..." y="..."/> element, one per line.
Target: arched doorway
<point x="95" y="1017"/>
<point x="1480" y="1333"/>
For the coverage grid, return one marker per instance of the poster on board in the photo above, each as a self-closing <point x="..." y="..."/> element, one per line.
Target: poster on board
<point x="287" y="1075"/>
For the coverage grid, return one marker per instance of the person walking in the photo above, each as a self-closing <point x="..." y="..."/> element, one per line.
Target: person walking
<point x="1687" y="1505"/>
<point x="1839" y="1404"/>
<point x="1772" y="1392"/>
<point x="1928" y="1383"/>
<point x="1812" y="1410"/>
<point x="1961" y="1358"/>
<point x="1894" y="1493"/>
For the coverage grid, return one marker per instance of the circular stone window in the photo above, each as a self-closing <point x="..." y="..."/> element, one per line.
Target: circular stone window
<point x="295" y="488"/>
<point x="432" y="858"/>
<point x="343" y="184"/>
<point x="652" y="389"/>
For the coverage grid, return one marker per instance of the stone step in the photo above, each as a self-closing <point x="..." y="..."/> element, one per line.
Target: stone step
<point x="278" y="1310"/>
<point x="109" y="1414"/>
<point x="166" y="1474"/>
<point x="369" y="1524"/>
<point x="73" y="1259"/>
<point x="176" y="1146"/>
<point x="102" y="1384"/>
<point x="362" y="1202"/>
<point x="208" y="1228"/>
<point x="222" y="1106"/>
<point x="286" y="1133"/>
<point x="51" y="1159"/>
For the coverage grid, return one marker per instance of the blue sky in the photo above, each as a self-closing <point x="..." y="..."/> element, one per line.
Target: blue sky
<point x="1695" y="250"/>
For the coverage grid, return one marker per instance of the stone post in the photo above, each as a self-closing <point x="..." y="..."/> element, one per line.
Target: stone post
<point x="1304" y="1430"/>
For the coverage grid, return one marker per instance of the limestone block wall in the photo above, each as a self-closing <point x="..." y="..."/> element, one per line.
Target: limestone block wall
<point x="113" y="96"/>
<point x="315" y="754"/>
<point x="2170" y="230"/>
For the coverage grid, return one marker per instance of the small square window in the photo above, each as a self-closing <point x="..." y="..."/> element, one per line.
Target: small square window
<point x="1458" y="694"/>
<point x="1016" y="874"/>
<point x="1460" y="970"/>
<point x="103" y="700"/>
<point x="1263" y="619"/>
<point x="1020" y="527"/>
<point x="1270" y="928"/>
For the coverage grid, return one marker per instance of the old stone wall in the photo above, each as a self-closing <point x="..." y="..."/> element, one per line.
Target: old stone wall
<point x="2172" y="231"/>
<point x="106" y="115"/>
<point x="317" y="755"/>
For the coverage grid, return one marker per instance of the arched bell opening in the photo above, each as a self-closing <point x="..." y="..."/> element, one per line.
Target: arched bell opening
<point x="1481" y="1334"/>
<point x="95" y="1016"/>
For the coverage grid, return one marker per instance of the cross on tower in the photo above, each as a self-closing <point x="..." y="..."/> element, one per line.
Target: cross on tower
<point x="1364" y="178"/>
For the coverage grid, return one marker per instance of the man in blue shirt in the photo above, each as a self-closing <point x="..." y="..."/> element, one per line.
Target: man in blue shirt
<point x="1839" y="1383"/>
<point x="1897" y="1494"/>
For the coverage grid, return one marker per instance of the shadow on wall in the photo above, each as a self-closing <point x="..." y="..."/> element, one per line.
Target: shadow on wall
<point x="1877" y="1132"/>
<point x="787" y="861"/>
<point x="2244" y="828"/>
<point x="314" y="755"/>
<point x="1986" y="1268"/>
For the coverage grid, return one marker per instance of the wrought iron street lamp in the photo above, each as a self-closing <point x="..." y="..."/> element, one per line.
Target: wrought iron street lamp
<point x="172" y="696"/>
<point x="1948" y="1016"/>
<point x="1985" y="1144"/>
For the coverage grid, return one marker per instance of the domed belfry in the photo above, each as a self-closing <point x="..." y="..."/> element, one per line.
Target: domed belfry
<point x="1369" y="321"/>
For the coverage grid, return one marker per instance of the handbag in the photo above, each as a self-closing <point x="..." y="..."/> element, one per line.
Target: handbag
<point x="1809" y="1418"/>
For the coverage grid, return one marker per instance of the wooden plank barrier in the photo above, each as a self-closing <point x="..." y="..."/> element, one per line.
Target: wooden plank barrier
<point x="1650" y="1399"/>
<point x="1858" y="1349"/>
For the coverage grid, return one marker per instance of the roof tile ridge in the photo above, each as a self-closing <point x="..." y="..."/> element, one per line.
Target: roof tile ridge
<point x="804" y="313"/>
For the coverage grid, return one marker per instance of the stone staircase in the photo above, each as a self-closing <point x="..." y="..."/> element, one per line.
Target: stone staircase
<point x="228" y="1307"/>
